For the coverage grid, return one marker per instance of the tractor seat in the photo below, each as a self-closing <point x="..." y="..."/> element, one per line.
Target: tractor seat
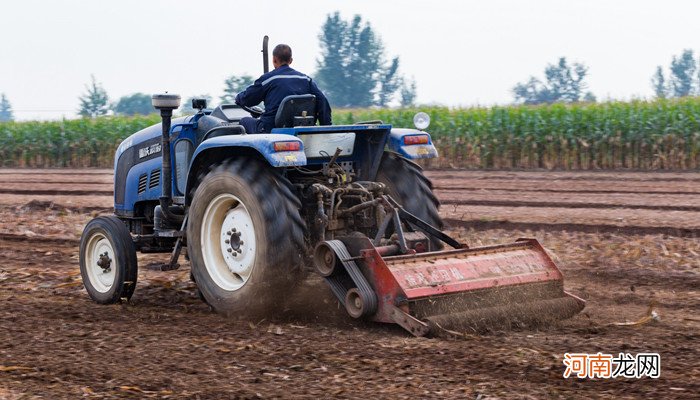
<point x="296" y="110"/>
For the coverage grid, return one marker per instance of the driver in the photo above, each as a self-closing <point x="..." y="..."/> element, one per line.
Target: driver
<point x="274" y="86"/>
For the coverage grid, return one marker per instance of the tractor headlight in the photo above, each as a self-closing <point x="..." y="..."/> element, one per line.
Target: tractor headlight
<point x="421" y="120"/>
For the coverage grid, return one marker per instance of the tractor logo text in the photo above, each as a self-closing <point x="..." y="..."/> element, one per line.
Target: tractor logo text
<point x="147" y="151"/>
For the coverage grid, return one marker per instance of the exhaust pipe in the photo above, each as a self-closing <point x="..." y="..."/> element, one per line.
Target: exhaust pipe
<point x="166" y="103"/>
<point x="266" y="62"/>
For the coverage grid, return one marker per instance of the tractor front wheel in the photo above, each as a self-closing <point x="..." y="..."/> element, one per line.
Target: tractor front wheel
<point x="108" y="262"/>
<point x="245" y="238"/>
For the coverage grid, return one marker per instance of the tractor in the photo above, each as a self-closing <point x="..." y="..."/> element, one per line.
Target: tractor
<point x="256" y="213"/>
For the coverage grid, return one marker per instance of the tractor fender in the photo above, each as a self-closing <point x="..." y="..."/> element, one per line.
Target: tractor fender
<point x="411" y="151"/>
<point x="263" y="143"/>
<point x="221" y="148"/>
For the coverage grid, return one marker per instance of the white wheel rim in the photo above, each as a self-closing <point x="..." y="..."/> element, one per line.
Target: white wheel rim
<point x="228" y="242"/>
<point x="101" y="279"/>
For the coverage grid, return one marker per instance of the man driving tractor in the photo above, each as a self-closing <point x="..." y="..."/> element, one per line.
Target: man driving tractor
<point x="274" y="86"/>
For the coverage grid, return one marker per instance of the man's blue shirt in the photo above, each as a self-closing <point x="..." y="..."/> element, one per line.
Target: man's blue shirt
<point x="277" y="84"/>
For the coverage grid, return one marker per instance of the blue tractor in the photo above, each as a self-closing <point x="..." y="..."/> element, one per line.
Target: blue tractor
<point x="255" y="213"/>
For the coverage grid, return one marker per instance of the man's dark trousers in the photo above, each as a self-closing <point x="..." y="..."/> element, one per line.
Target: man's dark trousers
<point x="252" y="125"/>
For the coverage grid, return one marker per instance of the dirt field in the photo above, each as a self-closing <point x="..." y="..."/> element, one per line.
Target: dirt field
<point x="624" y="241"/>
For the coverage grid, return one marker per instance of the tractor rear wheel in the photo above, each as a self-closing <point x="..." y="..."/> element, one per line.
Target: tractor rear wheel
<point x="407" y="185"/>
<point x="108" y="262"/>
<point x="245" y="238"/>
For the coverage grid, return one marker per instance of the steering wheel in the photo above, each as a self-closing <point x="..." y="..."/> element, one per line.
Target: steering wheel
<point x="255" y="111"/>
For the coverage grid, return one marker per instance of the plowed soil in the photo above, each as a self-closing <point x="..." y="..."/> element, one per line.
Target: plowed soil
<point x="625" y="242"/>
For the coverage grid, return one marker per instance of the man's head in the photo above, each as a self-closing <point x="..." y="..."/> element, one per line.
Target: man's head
<point x="281" y="55"/>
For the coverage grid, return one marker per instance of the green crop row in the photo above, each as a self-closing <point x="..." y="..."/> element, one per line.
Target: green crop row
<point x="661" y="134"/>
<point x="68" y="143"/>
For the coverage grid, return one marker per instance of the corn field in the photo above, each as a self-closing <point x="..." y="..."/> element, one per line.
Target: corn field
<point x="646" y="135"/>
<point x="661" y="134"/>
<point x="68" y="143"/>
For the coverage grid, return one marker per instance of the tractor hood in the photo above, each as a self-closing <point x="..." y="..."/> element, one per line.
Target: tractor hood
<point x="153" y="132"/>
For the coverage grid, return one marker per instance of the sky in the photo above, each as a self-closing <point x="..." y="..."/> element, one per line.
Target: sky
<point x="461" y="53"/>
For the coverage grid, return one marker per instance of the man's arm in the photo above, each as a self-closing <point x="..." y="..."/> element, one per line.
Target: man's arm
<point x="323" y="108"/>
<point x="252" y="96"/>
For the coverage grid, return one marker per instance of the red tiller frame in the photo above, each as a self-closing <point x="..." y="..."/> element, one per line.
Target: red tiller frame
<point x="400" y="279"/>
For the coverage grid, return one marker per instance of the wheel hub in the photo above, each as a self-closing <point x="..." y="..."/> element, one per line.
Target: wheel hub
<point x="234" y="241"/>
<point x="104" y="262"/>
<point x="99" y="262"/>
<point x="228" y="242"/>
<point x="234" y="230"/>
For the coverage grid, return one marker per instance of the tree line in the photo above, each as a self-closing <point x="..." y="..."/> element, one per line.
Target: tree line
<point x="565" y="83"/>
<point x="682" y="79"/>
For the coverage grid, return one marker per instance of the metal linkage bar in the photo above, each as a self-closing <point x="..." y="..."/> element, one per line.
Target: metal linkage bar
<point x="424" y="226"/>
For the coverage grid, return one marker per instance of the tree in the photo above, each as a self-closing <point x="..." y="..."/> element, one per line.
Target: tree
<point x="408" y="93"/>
<point x="5" y="109"/>
<point x="589" y="97"/>
<point x="137" y="103"/>
<point x="94" y="102"/>
<point x="681" y="77"/>
<point x="389" y="83"/>
<point x="682" y="74"/>
<point x="658" y="83"/>
<point x="352" y="70"/>
<point x="234" y="85"/>
<point x="532" y="92"/>
<point x="186" y="106"/>
<point x="563" y="83"/>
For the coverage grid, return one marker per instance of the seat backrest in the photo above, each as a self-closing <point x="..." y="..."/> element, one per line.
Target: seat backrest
<point x="296" y="110"/>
